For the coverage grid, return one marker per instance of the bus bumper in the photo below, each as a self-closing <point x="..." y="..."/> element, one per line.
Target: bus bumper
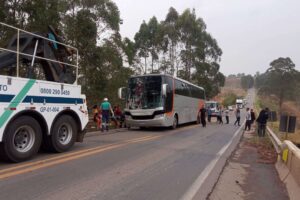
<point x="156" y="122"/>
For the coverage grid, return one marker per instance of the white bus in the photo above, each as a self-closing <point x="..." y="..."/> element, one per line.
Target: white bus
<point x="156" y="100"/>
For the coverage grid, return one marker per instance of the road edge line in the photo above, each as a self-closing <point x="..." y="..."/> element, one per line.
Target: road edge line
<point x="198" y="183"/>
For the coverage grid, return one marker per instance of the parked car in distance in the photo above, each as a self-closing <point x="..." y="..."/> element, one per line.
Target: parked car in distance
<point x="230" y="108"/>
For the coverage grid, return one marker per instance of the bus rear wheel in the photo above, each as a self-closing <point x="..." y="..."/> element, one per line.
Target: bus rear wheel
<point x="22" y="139"/>
<point x="63" y="134"/>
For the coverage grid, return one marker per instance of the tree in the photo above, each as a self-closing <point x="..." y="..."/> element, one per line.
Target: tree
<point x="170" y="41"/>
<point x="181" y="44"/>
<point x="247" y="82"/>
<point x="90" y="26"/>
<point x="279" y="80"/>
<point x="142" y="43"/>
<point x="208" y="76"/>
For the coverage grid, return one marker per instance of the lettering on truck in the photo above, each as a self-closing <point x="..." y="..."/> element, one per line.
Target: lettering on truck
<point x="3" y="88"/>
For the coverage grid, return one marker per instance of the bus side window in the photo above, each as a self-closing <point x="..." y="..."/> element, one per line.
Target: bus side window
<point x="178" y="87"/>
<point x="186" y="89"/>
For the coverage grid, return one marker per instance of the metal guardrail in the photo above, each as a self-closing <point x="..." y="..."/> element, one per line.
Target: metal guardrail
<point x="289" y="157"/>
<point x="278" y="145"/>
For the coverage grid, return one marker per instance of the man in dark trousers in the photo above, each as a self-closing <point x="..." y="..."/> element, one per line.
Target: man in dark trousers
<point x="202" y="116"/>
<point x="227" y="116"/>
<point x="248" y="120"/>
<point x="262" y="122"/>
<point x="238" y="117"/>
<point x="253" y="117"/>
<point x="208" y="114"/>
<point x="106" y="109"/>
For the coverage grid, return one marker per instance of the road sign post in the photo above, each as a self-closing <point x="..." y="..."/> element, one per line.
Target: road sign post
<point x="287" y="124"/>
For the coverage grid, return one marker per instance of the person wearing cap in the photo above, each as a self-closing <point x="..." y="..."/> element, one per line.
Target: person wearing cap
<point x="106" y="109"/>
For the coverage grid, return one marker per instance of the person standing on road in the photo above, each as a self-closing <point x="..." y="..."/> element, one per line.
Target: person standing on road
<point x="202" y="116"/>
<point x="253" y="117"/>
<point x="248" y="120"/>
<point x="227" y="116"/>
<point x="209" y="114"/>
<point x="238" y="117"/>
<point x="220" y="112"/>
<point x="262" y="122"/>
<point x="106" y="109"/>
<point x="97" y="116"/>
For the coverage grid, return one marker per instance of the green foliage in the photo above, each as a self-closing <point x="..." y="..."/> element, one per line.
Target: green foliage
<point x="280" y="80"/>
<point x="208" y="76"/>
<point x="92" y="27"/>
<point x="247" y="82"/>
<point x="229" y="99"/>
<point x="180" y="44"/>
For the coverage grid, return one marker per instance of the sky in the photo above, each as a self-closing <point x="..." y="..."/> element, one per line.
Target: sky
<point x="251" y="33"/>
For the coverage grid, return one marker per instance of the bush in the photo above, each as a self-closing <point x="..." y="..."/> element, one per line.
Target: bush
<point x="229" y="99"/>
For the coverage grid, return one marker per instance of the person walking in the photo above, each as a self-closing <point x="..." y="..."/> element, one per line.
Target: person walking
<point x="209" y="114"/>
<point x="248" y="120"/>
<point x="238" y="117"/>
<point x="106" y="109"/>
<point x="227" y="116"/>
<point x="220" y="112"/>
<point x="202" y="116"/>
<point x="262" y="122"/>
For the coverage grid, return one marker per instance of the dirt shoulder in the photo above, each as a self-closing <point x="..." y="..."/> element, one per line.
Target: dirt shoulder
<point x="250" y="173"/>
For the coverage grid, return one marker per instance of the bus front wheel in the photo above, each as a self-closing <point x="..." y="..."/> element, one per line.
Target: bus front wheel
<point x="175" y="122"/>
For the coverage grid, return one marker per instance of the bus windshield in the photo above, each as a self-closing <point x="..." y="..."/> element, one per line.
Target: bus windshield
<point x="145" y="92"/>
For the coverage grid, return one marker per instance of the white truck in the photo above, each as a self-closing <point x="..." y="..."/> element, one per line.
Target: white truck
<point x="51" y="112"/>
<point x="239" y="103"/>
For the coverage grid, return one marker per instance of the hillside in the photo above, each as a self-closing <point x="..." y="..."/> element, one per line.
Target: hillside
<point x="232" y="85"/>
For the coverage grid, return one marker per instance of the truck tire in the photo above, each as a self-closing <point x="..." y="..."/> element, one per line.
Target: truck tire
<point x="22" y="139"/>
<point x="63" y="134"/>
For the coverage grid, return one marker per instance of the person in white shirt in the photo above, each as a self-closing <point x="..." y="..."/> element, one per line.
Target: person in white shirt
<point x="227" y="116"/>
<point x="248" y="120"/>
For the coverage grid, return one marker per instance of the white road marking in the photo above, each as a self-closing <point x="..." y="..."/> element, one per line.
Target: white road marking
<point x="192" y="191"/>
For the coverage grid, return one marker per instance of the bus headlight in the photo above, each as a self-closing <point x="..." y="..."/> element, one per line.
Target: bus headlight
<point x="159" y="115"/>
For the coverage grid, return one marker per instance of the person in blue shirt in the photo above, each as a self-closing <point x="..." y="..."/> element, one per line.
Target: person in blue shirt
<point x="209" y="114"/>
<point x="52" y="37"/>
<point x="106" y="109"/>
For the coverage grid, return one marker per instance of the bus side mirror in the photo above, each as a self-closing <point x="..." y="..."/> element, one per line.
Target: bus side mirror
<point x="164" y="90"/>
<point x="122" y="93"/>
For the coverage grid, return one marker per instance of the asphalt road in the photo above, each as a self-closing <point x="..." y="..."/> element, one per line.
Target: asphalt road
<point x="134" y="165"/>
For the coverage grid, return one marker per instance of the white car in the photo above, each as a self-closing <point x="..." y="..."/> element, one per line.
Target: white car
<point x="230" y="108"/>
